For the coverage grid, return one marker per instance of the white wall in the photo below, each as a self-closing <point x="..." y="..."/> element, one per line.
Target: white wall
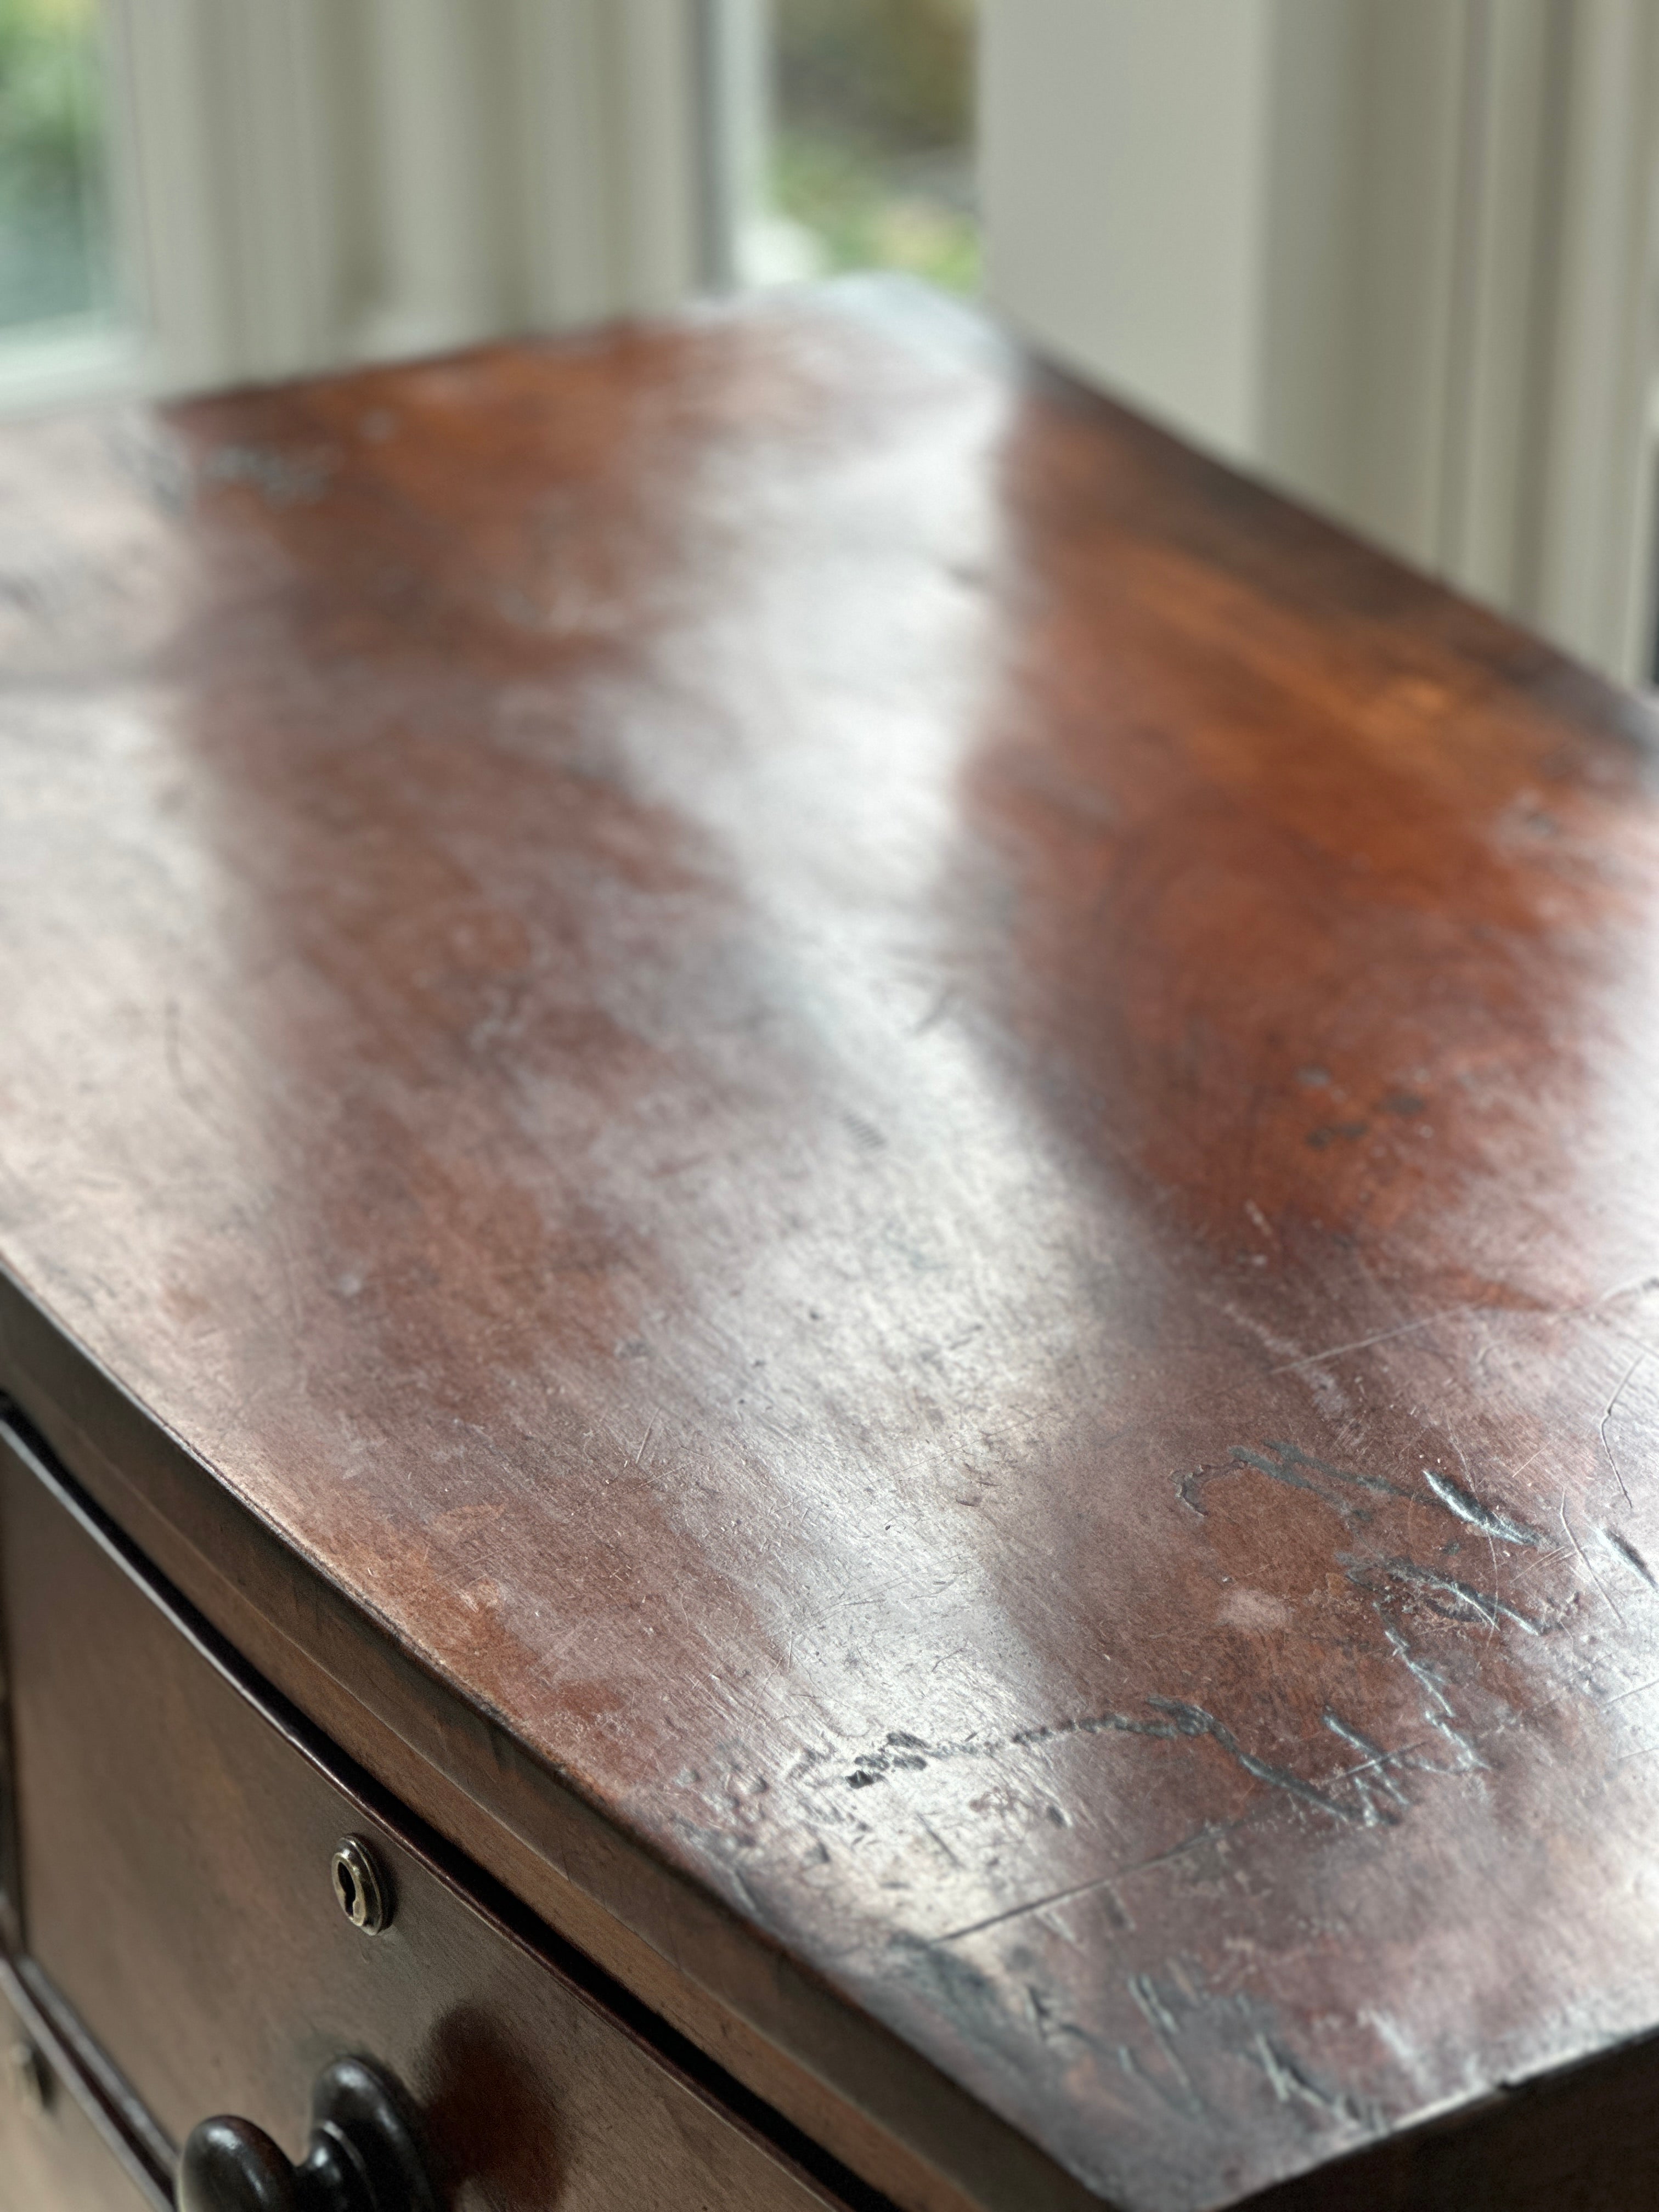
<point x="1124" y="149"/>
<point x="1395" y="255"/>
<point x="1239" y="214"/>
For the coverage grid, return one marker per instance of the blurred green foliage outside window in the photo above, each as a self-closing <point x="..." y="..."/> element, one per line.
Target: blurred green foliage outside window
<point x="872" y="136"/>
<point x="54" y="227"/>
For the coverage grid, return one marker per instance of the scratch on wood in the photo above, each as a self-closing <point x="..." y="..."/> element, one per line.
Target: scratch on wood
<point x="1122" y="1723"/>
<point x="1627" y="1552"/>
<point x="1187" y="2105"/>
<point x="1483" y="1604"/>
<point x="1285" y="2079"/>
<point x="1442" y="1716"/>
<point x="1144" y="1989"/>
<point x="1048" y="2024"/>
<point x="1300" y="1470"/>
<point x="1377" y="1762"/>
<point x="1193" y="1720"/>
<point x="1292" y="2084"/>
<point x="1164" y="2026"/>
<point x="1035" y="1905"/>
<point x="1601" y="1426"/>
<point x="903" y="1752"/>
<point x="1211" y="1833"/>
<point x="1287" y="1459"/>
<point x="1176" y="1719"/>
<point x="1634" y="1690"/>
<point x="1606" y="1598"/>
<point x="1468" y="1508"/>
<point x="940" y="1845"/>
<point x="1364" y="1343"/>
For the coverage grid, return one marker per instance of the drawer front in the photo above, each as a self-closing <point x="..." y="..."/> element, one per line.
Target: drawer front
<point x="175" y="1842"/>
<point x="52" y="2157"/>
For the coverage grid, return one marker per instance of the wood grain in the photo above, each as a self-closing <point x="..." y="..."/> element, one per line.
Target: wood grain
<point x="920" y="1142"/>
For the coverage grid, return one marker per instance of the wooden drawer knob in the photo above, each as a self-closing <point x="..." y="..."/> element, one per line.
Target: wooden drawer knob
<point x="365" y="2155"/>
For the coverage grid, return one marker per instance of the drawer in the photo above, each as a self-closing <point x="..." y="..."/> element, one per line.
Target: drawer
<point x="52" y="2159"/>
<point x="176" y="1831"/>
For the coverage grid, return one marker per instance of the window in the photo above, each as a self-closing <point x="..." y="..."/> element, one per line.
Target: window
<point x="54" y="228"/>
<point x="852" y="125"/>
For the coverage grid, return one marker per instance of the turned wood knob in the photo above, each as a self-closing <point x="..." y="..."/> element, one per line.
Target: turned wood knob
<point x="364" y="2155"/>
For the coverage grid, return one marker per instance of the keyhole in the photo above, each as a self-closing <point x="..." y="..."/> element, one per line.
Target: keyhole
<point x="362" y="1886"/>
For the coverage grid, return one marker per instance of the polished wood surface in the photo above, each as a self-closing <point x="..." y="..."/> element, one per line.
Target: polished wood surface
<point x="918" y="1147"/>
<point x="176" y="1848"/>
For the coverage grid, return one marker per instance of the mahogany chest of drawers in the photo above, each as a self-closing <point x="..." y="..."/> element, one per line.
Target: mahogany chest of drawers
<point x="830" y="1218"/>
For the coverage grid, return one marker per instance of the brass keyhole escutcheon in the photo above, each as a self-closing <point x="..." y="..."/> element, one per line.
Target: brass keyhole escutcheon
<point x="361" y="1886"/>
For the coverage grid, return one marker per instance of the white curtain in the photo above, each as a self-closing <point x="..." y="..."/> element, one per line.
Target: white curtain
<point x="306" y="182"/>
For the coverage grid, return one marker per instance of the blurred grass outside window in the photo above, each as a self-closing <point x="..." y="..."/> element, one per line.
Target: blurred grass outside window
<point x="869" y="160"/>
<point x="57" y="293"/>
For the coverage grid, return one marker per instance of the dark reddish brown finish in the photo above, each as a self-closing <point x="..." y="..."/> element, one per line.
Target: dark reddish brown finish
<point x="928" y="1141"/>
<point x="176" y="1849"/>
